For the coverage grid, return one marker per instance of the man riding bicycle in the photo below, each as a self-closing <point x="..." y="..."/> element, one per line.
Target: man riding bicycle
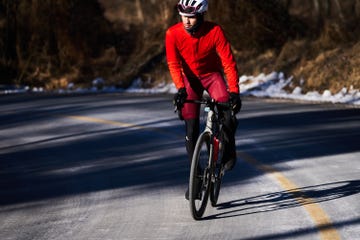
<point x="197" y="52"/>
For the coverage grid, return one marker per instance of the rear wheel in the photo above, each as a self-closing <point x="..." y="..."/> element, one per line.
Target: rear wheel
<point x="199" y="182"/>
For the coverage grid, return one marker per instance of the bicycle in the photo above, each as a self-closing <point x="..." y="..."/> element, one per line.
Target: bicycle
<point x="206" y="169"/>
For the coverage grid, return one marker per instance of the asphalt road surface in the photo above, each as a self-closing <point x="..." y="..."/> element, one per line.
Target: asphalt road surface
<point x="113" y="166"/>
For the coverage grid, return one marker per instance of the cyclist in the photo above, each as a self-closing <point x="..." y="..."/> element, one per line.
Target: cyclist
<point x="197" y="53"/>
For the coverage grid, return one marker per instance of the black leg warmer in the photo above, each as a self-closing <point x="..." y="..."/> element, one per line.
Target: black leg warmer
<point x="192" y="134"/>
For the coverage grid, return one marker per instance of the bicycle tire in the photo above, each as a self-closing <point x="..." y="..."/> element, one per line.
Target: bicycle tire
<point x="200" y="176"/>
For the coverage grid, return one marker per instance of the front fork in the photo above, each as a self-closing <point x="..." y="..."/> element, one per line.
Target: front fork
<point x="215" y="157"/>
<point x="216" y="149"/>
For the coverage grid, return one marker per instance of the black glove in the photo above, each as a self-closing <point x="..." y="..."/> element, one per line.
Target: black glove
<point x="179" y="98"/>
<point x="235" y="102"/>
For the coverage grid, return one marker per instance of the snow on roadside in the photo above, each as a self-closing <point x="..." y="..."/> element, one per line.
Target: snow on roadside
<point x="273" y="85"/>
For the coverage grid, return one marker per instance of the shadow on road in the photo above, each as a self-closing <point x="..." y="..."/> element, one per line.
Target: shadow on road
<point x="291" y="199"/>
<point x="74" y="157"/>
<point x="284" y="132"/>
<point x="287" y="199"/>
<point x="84" y="160"/>
<point x="102" y="160"/>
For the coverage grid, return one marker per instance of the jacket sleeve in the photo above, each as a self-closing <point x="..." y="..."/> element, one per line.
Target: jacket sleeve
<point x="223" y="49"/>
<point x="173" y="60"/>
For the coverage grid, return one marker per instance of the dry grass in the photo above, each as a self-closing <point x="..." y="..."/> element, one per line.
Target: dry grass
<point x="53" y="43"/>
<point x="331" y="69"/>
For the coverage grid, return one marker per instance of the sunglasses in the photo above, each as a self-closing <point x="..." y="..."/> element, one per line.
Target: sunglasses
<point x="187" y="9"/>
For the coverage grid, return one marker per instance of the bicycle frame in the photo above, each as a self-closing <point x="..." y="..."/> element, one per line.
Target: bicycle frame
<point x="212" y="126"/>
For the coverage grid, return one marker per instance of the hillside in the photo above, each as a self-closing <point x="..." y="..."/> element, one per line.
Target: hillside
<point x="52" y="43"/>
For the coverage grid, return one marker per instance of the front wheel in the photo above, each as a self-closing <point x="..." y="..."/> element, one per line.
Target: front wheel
<point x="199" y="181"/>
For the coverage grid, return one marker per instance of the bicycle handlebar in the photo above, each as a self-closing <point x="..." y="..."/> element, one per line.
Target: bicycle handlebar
<point x="208" y="102"/>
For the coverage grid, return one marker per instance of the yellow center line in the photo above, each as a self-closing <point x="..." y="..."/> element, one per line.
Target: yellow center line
<point x="107" y="122"/>
<point x="118" y="124"/>
<point x="326" y="229"/>
<point x="323" y="223"/>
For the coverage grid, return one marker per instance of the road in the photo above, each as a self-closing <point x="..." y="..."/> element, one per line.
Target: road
<point x="113" y="166"/>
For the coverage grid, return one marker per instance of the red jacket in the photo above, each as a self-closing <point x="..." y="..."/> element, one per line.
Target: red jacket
<point x="200" y="54"/>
